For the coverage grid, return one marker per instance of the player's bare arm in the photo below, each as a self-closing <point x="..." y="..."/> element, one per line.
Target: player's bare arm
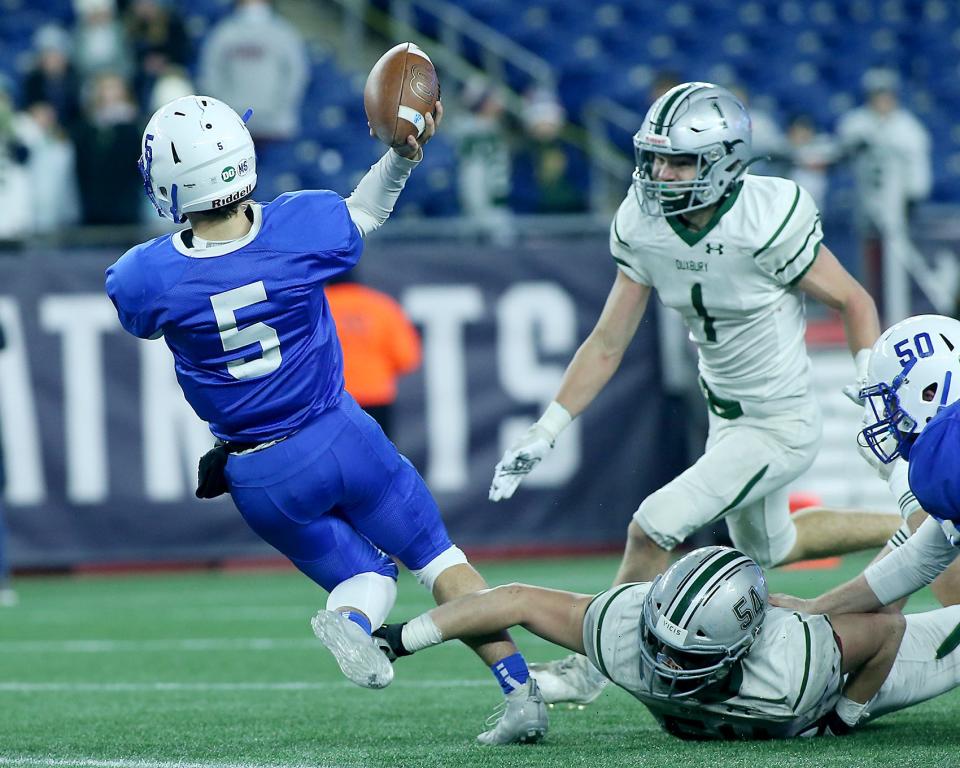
<point x="600" y="355"/>
<point x="870" y="643"/>
<point x="854" y="596"/>
<point x="828" y="282"/>
<point x="594" y="363"/>
<point x="918" y="562"/>
<point x="553" y="614"/>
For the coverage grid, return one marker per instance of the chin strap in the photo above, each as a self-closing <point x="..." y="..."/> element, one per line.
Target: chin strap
<point x="174" y="213"/>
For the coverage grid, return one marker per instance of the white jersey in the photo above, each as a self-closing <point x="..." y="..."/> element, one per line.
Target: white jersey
<point x="788" y="680"/>
<point x="732" y="282"/>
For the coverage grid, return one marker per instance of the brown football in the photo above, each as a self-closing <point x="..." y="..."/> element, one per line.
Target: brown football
<point x="401" y="89"/>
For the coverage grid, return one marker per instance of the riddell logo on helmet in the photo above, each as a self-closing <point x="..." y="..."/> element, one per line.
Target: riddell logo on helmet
<point x="219" y="202"/>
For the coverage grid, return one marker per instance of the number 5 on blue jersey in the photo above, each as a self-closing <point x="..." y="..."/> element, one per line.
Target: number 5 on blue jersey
<point x="225" y="306"/>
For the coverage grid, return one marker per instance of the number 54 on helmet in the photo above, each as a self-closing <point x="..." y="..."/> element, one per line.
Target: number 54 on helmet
<point x="699" y="618"/>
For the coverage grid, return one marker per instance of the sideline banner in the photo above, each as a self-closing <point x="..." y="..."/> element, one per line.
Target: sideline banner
<point x="100" y="449"/>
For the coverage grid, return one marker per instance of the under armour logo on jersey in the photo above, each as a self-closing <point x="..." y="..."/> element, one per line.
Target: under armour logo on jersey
<point x="715" y="248"/>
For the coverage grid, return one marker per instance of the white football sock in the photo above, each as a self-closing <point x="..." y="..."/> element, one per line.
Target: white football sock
<point x="918" y="674"/>
<point x="370" y="593"/>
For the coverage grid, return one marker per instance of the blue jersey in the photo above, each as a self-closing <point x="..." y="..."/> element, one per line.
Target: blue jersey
<point x="253" y="340"/>
<point x="935" y="465"/>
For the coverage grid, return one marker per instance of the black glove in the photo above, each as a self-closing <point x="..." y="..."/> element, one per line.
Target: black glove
<point x="211" y="477"/>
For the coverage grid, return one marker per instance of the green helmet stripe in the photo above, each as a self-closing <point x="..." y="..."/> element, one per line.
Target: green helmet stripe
<point x="708" y="571"/>
<point x="668" y="113"/>
<point x="688" y="577"/>
<point x="662" y="117"/>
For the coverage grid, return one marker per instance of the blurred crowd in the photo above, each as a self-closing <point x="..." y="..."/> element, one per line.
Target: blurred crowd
<point x="885" y="146"/>
<point x="70" y="130"/>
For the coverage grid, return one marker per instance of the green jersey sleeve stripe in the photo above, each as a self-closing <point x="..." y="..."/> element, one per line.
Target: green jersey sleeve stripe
<point x="603" y="613"/>
<point x="806" y="661"/>
<point x="616" y="234"/>
<point x="816" y="223"/>
<point x="799" y="277"/>
<point x="796" y="199"/>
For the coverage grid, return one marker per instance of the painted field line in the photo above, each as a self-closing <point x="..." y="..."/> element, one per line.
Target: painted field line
<point x="138" y="646"/>
<point x="195" y="644"/>
<point x="221" y="614"/>
<point x="91" y="762"/>
<point x="177" y="687"/>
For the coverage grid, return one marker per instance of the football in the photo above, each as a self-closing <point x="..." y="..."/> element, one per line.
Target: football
<point x="401" y="89"/>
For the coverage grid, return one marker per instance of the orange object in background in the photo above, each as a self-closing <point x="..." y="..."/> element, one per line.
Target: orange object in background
<point x="379" y="343"/>
<point x="801" y="500"/>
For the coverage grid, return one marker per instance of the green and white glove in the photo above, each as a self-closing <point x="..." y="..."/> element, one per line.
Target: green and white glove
<point x="521" y="457"/>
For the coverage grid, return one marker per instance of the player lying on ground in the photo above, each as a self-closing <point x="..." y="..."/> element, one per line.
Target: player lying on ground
<point x="703" y="651"/>
<point x="914" y="402"/>
<point x="735" y="254"/>
<point x="238" y="298"/>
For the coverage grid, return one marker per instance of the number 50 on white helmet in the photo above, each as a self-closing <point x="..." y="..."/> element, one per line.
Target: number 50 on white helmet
<point x="914" y="372"/>
<point x="197" y="156"/>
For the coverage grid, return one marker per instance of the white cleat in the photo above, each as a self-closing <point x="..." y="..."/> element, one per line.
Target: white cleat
<point x="521" y="718"/>
<point x="8" y="598"/>
<point x="358" y="656"/>
<point x="571" y="680"/>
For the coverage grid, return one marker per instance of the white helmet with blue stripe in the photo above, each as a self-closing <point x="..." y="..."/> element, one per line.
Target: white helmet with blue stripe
<point x="913" y="373"/>
<point x="197" y="156"/>
<point x="699" y="618"/>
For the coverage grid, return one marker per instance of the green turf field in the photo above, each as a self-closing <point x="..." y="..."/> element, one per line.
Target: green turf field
<point x="221" y="669"/>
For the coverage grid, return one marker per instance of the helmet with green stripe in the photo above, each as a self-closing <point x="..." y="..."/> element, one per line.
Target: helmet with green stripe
<point x="699" y="618"/>
<point x="706" y="123"/>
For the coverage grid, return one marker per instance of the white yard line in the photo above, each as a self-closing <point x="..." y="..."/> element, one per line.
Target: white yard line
<point x="138" y="646"/>
<point x="175" y="687"/>
<point x="88" y="762"/>
<point x="222" y="614"/>
<point x="197" y="644"/>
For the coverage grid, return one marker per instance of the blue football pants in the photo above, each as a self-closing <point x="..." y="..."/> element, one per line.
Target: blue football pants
<point x="337" y="498"/>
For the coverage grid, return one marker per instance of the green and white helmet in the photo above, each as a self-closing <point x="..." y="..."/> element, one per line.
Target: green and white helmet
<point x="698" y="119"/>
<point x="699" y="618"/>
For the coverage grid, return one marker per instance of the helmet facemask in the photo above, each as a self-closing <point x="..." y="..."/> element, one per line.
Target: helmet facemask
<point x="671" y="198"/>
<point x="675" y="673"/>
<point x="891" y="434"/>
<point x="144" y="164"/>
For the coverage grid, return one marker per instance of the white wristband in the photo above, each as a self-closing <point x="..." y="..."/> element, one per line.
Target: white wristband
<point x="862" y="360"/>
<point x="555" y="419"/>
